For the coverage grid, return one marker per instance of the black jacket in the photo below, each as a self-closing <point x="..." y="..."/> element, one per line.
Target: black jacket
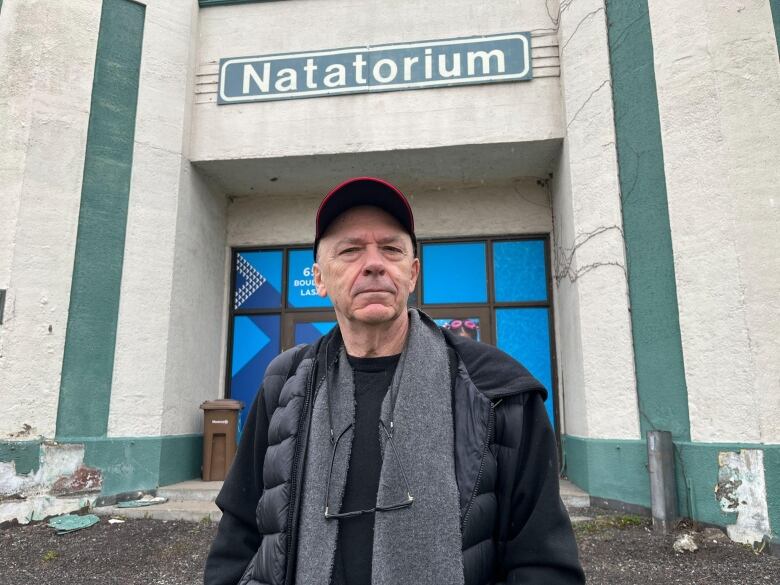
<point x="514" y="527"/>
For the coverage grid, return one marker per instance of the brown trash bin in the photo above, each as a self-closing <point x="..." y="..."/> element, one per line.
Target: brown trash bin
<point x="220" y="430"/>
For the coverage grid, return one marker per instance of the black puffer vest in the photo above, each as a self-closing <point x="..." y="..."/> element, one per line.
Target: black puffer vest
<point x="492" y="395"/>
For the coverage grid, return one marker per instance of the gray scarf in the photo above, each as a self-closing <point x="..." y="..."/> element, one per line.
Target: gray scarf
<point x="417" y="545"/>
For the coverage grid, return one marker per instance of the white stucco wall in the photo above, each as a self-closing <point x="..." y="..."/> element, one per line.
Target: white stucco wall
<point x="718" y="82"/>
<point x="595" y="361"/>
<point x="47" y="60"/>
<point x="174" y="224"/>
<point x="503" y="112"/>
<point x="518" y="207"/>
<point x="197" y="321"/>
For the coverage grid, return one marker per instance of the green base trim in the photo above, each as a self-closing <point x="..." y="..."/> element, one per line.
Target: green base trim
<point x="142" y="463"/>
<point x="609" y="469"/>
<point x="181" y="458"/>
<point x="26" y="455"/>
<point x="660" y="372"/>
<point x="90" y="337"/>
<point x="616" y="469"/>
<point x="774" y="6"/>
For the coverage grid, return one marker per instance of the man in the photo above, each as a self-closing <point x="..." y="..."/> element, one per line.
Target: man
<point x="392" y="451"/>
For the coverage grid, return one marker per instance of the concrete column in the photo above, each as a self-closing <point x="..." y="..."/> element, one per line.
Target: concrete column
<point x="591" y="297"/>
<point x="47" y="60"/>
<point x="718" y="81"/>
<point x="169" y="338"/>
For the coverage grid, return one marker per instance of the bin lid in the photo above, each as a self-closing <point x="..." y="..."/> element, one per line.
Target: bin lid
<point x="222" y="404"/>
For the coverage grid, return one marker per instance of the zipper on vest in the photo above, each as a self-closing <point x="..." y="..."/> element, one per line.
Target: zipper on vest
<point x="491" y="421"/>
<point x="294" y="477"/>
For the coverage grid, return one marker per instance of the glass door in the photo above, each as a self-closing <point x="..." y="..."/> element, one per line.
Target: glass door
<point x="306" y="327"/>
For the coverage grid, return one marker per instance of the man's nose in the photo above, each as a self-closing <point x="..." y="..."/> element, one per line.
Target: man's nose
<point x="374" y="261"/>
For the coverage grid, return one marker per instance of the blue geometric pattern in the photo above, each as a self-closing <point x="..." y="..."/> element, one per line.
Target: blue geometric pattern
<point x="301" y="292"/>
<point x="311" y="331"/>
<point x="256" y="341"/>
<point x="251" y="339"/>
<point x="452" y="273"/>
<point x="258" y="280"/>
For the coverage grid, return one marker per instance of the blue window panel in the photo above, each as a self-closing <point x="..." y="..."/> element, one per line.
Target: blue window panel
<point x="525" y="335"/>
<point x="258" y="281"/>
<point x="300" y="281"/>
<point x="256" y="341"/>
<point x="311" y="331"/>
<point x="454" y="273"/>
<point x="519" y="271"/>
<point x="466" y="326"/>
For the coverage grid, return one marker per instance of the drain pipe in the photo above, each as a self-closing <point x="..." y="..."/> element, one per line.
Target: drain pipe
<point x="663" y="488"/>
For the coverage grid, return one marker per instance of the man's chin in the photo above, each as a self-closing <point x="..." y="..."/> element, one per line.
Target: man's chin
<point x="375" y="314"/>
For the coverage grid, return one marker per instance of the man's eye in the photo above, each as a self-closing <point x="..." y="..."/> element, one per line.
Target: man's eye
<point x="393" y="250"/>
<point x="349" y="250"/>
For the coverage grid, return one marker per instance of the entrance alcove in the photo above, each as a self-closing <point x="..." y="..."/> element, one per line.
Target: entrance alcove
<point x="488" y="196"/>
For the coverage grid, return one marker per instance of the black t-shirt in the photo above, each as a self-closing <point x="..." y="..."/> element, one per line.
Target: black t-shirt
<point x="352" y="564"/>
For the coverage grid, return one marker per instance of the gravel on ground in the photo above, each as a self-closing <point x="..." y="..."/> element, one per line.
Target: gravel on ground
<point x="624" y="549"/>
<point x="136" y="552"/>
<point x="614" y="549"/>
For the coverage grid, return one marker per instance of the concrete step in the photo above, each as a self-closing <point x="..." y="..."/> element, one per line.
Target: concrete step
<point x="572" y="496"/>
<point x="193" y="501"/>
<point x="193" y="490"/>
<point x="190" y="511"/>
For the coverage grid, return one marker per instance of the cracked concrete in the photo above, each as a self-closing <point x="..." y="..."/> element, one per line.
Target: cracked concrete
<point x="61" y="484"/>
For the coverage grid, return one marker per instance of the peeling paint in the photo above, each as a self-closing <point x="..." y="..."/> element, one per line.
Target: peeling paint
<point x="741" y="489"/>
<point x="84" y="480"/>
<point x="40" y="507"/>
<point x="33" y="496"/>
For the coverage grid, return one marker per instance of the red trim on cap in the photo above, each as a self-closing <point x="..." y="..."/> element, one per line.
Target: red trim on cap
<point x="355" y="180"/>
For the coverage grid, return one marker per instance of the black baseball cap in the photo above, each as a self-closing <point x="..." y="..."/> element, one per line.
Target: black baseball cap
<point x="364" y="191"/>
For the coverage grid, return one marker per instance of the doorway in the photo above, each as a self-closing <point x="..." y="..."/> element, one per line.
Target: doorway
<point x="496" y="290"/>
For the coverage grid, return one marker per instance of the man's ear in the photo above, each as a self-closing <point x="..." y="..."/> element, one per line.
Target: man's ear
<point x="415" y="274"/>
<point x="319" y="282"/>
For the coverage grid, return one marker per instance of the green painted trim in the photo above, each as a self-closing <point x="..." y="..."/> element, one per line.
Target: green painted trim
<point x="660" y="372"/>
<point x="205" y="3"/>
<point x="131" y="464"/>
<point x="616" y="469"/>
<point x="181" y="458"/>
<point x="26" y="455"/>
<point x="774" y="6"/>
<point x="610" y="469"/>
<point x="88" y="360"/>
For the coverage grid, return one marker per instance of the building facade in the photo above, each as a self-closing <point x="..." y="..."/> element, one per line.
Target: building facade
<point x="596" y="186"/>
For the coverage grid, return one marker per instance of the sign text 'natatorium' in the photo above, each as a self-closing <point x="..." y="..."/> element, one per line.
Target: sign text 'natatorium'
<point x="497" y="58"/>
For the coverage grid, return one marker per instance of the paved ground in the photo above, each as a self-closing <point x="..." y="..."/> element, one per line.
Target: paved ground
<point x="614" y="550"/>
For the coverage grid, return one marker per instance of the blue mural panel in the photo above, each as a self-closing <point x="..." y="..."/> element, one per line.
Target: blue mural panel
<point x="311" y="331"/>
<point x="256" y="341"/>
<point x="525" y="335"/>
<point x="258" y="280"/>
<point x="454" y="273"/>
<point x="519" y="271"/>
<point x="300" y="281"/>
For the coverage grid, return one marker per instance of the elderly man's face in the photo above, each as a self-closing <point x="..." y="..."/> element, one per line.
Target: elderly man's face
<point x="366" y="266"/>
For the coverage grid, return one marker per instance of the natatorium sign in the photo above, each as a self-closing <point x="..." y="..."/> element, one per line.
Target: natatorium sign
<point x="462" y="61"/>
